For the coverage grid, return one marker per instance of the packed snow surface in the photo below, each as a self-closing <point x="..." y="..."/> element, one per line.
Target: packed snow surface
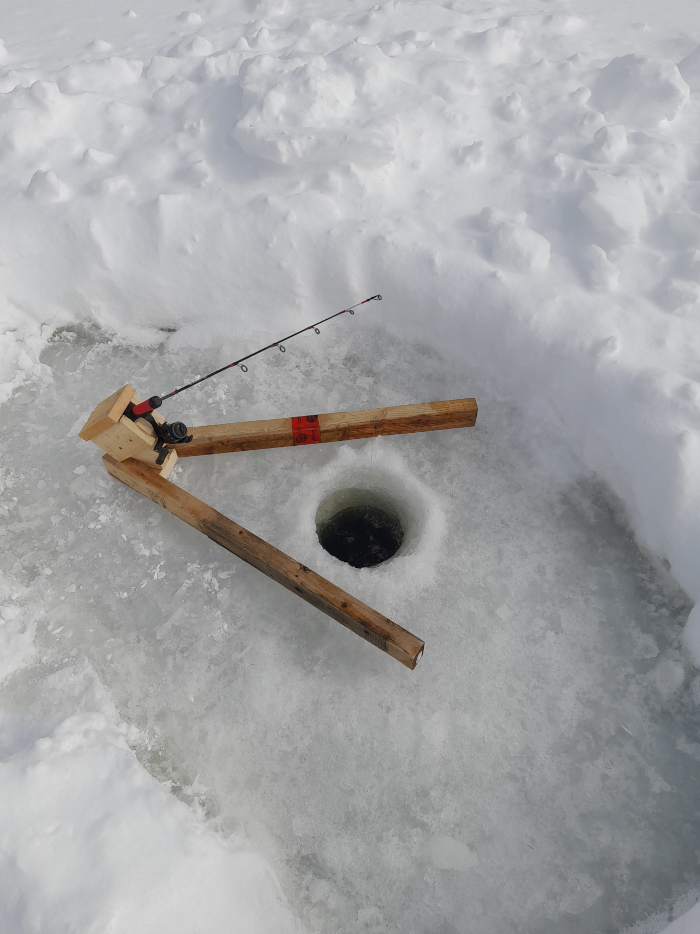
<point x="522" y="183"/>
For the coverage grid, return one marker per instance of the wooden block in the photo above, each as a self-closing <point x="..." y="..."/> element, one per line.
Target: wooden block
<point x="337" y="426"/>
<point x="168" y="464"/>
<point x="127" y="439"/>
<point x="316" y="590"/>
<point x="107" y="413"/>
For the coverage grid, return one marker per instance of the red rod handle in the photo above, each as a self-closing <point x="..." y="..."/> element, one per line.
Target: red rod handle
<point x="143" y="408"/>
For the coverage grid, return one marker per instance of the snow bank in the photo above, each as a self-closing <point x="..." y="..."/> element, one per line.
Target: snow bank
<point x="90" y="841"/>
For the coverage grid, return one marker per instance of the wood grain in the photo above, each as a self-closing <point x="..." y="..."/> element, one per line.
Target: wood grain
<point x="336" y="426"/>
<point x="316" y="590"/>
<point x="107" y="413"/>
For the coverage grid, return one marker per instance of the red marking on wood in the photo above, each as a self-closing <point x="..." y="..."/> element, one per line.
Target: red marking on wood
<point x="306" y="430"/>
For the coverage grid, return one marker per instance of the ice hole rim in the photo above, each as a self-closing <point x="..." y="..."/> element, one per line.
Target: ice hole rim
<point x="361" y="497"/>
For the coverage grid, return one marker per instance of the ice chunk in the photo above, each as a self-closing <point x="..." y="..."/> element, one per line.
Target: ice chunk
<point x="173" y="95"/>
<point x="609" y="143"/>
<point x="190" y="18"/>
<point x="301" y="115"/>
<point x="667" y="677"/>
<point x="472" y="155"/>
<point x="691" y="634"/>
<point x="46" y="93"/>
<point x="97" y="157"/>
<point x="602" y="274"/>
<point x="46" y="186"/>
<point x="448" y="853"/>
<point x="104" y="76"/>
<point x="639" y="92"/>
<point x="224" y="64"/>
<point x="192" y="47"/>
<point x="497" y="45"/>
<point x="164" y="67"/>
<point x="515" y="246"/>
<point x="689" y="69"/>
<point x="511" y="107"/>
<point x="453" y="81"/>
<point x="685" y="226"/>
<point x="679" y="295"/>
<point x="616" y="208"/>
<point x="17" y="631"/>
<point x="99" y="45"/>
<point x="314" y="145"/>
<point x="581" y="892"/>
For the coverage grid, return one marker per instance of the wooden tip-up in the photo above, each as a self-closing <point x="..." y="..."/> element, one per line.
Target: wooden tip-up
<point x="316" y="590"/>
<point x="336" y="426"/>
<point x="131" y="456"/>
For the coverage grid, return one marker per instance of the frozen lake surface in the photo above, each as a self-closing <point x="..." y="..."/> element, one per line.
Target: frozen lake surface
<point x="538" y="771"/>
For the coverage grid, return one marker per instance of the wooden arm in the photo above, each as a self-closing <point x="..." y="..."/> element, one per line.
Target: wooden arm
<point x="316" y="590"/>
<point x="336" y="426"/>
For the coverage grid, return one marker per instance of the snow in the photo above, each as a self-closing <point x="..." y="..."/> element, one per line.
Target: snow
<point x="520" y="182"/>
<point x="639" y="92"/>
<point x="90" y="841"/>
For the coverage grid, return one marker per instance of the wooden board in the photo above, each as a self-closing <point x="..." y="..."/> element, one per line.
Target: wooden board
<point x="135" y="440"/>
<point x="336" y="426"/>
<point x="316" y="590"/>
<point x="107" y="413"/>
<point x="127" y="439"/>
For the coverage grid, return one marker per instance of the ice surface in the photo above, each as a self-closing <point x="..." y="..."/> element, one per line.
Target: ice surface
<point x="535" y="773"/>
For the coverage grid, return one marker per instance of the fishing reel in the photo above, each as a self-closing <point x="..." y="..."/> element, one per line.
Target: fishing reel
<point x="172" y="432"/>
<point x="167" y="433"/>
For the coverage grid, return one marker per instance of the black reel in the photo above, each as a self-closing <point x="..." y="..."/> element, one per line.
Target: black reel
<point x="174" y="433"/>
<point x="167" y="433"/>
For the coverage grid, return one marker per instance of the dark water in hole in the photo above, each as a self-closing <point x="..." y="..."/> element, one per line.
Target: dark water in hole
<point x="362" y="536"/>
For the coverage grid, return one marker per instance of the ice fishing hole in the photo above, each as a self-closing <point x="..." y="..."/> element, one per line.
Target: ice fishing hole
<point x="359" y="527"/>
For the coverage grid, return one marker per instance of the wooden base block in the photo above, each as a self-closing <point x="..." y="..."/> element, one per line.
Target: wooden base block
<point x="168" y="464"/>
<point x="316" y="590"/>
<point x="121" y="437"/>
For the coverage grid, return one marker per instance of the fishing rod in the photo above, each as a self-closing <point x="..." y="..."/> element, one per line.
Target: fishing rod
<point x="176" y="432"/>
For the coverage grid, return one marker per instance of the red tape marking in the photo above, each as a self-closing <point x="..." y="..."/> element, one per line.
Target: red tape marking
<point x="306" y="430"/>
